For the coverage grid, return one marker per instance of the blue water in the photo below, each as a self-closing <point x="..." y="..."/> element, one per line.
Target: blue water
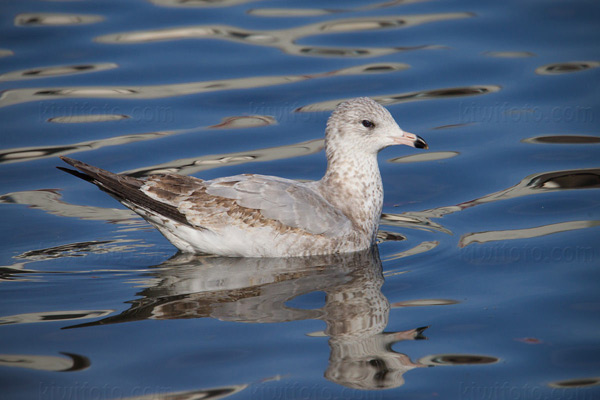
<point x="484" y="284"/>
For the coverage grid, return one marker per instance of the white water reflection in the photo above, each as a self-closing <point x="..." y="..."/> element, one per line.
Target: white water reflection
<point x="200" y="3"/>
<point x="68" y="363"/>
<point x="58" y="70"/>
<point x="21" y="154"/>
<point x="79" y="119"/>
<point x="55" y="19"/>
<point x="398" y="98"/>
<point x="53" y="316"/>
<point x="214" y="393"/>
<point x="245" y="121"/>
<point x="527" y="233"/>
<point x="418" y="249"/>
<point x="286" y="39"/>
<point x="50" y="201"/>
<point x="24" y="95"/>
<point x="429" y="156"/>
<point x="311" y="12"/>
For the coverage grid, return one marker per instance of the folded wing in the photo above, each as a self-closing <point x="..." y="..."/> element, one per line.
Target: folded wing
<point x="292" y="203"/>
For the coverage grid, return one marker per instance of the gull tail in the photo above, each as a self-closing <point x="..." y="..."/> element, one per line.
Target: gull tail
<point x="125" y="189"/>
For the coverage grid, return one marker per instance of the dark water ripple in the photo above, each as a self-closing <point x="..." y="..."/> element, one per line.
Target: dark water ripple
<point x="566" y="67"/>
<point x="563" y="139"/>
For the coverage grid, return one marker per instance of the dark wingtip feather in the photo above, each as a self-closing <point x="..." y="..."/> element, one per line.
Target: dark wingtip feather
<point x="80" y="165"/>
<point x="68" y="160"/>
<point x="124" y="188"/>
<point x="85" y="171"/>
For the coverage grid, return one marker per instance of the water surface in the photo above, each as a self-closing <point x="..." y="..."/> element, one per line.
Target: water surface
<point x="485" y="281"/>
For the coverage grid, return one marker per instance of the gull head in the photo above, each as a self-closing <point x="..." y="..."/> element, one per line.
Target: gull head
<point x="364" y="126"/>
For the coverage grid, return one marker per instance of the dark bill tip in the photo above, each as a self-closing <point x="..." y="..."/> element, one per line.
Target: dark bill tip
<point x="420" y="143"/>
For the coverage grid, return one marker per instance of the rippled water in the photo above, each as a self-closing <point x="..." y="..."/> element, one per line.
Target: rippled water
<point x="489" y="240"/>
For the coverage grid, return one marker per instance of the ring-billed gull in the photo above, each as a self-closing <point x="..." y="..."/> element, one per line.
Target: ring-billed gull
<point x="266" y="216"/>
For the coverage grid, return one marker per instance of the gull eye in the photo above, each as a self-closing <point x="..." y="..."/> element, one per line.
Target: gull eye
<point x="367" y="124"/>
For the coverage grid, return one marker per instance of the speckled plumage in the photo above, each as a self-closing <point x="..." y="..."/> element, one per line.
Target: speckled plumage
<point x="265" y="216"/>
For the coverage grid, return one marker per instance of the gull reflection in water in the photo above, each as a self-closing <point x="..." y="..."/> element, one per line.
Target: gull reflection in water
<point x="259" y="290"/>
